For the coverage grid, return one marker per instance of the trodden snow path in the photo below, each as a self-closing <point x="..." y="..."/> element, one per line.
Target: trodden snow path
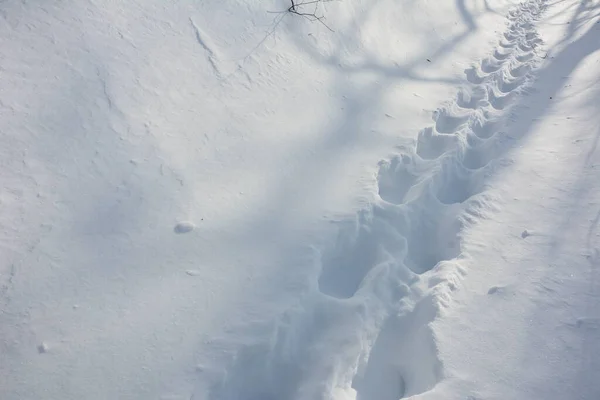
<point x="363" y="330"/>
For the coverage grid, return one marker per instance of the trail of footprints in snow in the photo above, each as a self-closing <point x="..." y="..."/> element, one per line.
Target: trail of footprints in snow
<point x="435" y="189"/>
<point x="429" y="194"/>
<point x="430" y="185"/>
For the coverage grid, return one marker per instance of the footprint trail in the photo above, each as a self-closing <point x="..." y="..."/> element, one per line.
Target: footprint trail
<point x="364" y="330"/>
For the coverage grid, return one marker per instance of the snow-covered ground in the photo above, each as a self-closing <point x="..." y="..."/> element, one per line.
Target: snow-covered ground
<point x="221" y="200"/>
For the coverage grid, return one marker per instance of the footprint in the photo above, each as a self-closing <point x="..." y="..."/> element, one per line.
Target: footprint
<point x="433" y="236"/>
<point x="456" y="184"/>
<point x="479" y="155"/>
<point x="527" y="26"/>
<point x="383" y="382"/>
<point x="395" y="179"/>
<point x="403" y="361"/>
<point x="490" y="65"/>
<point x="525" y="47"/>
<point x="499" y="55"/>
<point x="476" y="157"/>
<point x="523" y="57"/>
<point x="471" y="98"/>
<point x="506" y="83"/>
<point x="360" y="247"/>
<point x="474" y="75"/>
<point x="520" y="70"/>
<point x="507" y="44"/>
<point x="431" y="145"/>
<point x="484" y="127"/>
<point x="510" y="36"/>
<point x="449" y="120"/>
<point x="499" y="100"/>
<point x="533" y="38"/>
<point x="473" y="140"/>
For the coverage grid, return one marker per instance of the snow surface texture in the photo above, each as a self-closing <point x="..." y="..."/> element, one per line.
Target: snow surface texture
<point x="155" y="232"/>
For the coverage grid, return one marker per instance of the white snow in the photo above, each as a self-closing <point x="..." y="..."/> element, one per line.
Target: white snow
<point x="223" y="200"/>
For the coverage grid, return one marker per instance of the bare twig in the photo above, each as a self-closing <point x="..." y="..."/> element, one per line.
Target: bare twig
<point x="299" y="8"/>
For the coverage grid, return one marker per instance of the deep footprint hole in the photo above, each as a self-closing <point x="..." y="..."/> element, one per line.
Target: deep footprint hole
<point x="489" y="66"/>
<point x="361" y="246"/>
<point x="432" y="145"/>
<point x="395" y="179"/>
<point x="456" y="185"/>
<point x="499" y="100"/>
<point x="447" y="123"/>
<point x="476" y="157"/>
<point x="473" y="76"/>
<point x="507" y="85"/>
<point x="471" y="99"/>
<point x="403" y="362"/>
<point x="433" y="237"/>
<point x="520" y="71"/>
<point x="485" y="129"/>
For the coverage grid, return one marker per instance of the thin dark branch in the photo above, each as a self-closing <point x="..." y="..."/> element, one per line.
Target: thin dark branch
<point x="295" y="8"/>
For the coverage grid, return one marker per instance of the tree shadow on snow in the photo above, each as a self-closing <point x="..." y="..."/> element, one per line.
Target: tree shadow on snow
<point x="582" y="39"/>
<point x="273" y="375"/>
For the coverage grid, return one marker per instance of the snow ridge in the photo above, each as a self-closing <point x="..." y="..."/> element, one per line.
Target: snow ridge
<point x="394" y="267"/>
<point x="202" y="41"/>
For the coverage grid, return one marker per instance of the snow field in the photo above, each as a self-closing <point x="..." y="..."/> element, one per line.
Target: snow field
<point x="217" y="200"/>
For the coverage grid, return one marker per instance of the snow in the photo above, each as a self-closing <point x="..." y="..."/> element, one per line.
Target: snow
<point x="223" y="200"/>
